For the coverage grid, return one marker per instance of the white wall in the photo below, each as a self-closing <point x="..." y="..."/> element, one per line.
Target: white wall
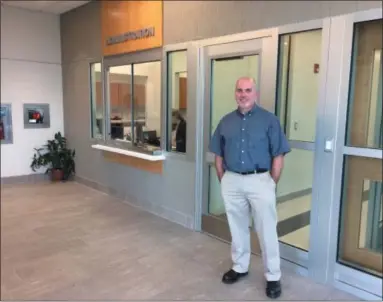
<point x="30" y="73"/>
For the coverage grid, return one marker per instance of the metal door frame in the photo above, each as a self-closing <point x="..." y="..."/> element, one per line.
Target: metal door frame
<point x="320" y="262"/>
<point x="352" y="280"/>
<point x="307" y="259"/>
<point x="200" y="144"/>
<point x="218" y="51"/>
<point x="292" y="254"/>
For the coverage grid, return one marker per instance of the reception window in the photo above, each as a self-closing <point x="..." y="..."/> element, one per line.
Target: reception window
<point x="134" y="105"/>
<point x="177" y="100"/>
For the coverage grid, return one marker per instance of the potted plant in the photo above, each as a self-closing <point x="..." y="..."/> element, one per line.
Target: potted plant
<point x="58" y="159"/>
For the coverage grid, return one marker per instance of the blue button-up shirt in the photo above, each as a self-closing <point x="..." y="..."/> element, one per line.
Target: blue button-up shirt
<point x="248" y="142"/>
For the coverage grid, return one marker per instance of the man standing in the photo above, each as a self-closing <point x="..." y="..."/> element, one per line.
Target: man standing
<point x="249" y="147"/>
<point x="180" y="132"/>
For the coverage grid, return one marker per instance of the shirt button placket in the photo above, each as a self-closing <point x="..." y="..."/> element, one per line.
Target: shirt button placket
<point x="243" y="134"/>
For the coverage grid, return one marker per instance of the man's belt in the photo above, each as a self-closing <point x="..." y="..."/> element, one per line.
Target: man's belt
<point x="258" y="171"/>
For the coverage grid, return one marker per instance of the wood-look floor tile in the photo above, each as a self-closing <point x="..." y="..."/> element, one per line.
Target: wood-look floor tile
<point x="69" y="242"/>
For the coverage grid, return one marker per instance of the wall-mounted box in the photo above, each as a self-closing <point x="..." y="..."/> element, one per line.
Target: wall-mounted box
<point x="6" y="131"/>
<point x="36" y="116"/>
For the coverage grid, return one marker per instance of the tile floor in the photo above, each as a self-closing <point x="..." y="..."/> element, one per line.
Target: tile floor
<point x="70" y="242"/>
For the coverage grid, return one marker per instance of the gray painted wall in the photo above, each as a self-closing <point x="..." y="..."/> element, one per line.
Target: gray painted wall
<point x="193" y="20"/>
<point x="172" y="194"/>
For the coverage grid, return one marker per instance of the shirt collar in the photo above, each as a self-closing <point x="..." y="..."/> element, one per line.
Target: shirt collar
<point x="252" y="110"/>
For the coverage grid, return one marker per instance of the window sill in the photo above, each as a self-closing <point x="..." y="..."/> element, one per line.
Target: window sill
<point x="129" y="153"/>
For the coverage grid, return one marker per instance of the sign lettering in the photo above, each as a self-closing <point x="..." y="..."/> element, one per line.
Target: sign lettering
<point x="131" y="35"/>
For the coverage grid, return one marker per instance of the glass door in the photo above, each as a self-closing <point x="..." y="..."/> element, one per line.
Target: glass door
<point x="290" y="70"/>
<point x="224" y="64"/>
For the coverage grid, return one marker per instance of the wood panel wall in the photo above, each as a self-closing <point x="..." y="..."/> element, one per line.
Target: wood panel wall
<point x="183" y="93"/>
<point x="119" y="17"/>
<point x="120" y="95"/>
<point x="137" y="163"/>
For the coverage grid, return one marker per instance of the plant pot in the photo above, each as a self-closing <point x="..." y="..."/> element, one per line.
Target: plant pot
<point x="57" y="175"/>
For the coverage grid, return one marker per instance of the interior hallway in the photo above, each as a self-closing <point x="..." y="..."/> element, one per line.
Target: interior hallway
<point x="69" y="242"/>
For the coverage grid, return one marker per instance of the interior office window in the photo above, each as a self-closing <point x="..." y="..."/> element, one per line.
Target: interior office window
<point x="96" y="100"/>
<point x="147" y="104"/>
<point x="135" y="104"/>
<point x="120" y="106"/>
<point x="360" y="239"/>
<point x="177" y="100"/>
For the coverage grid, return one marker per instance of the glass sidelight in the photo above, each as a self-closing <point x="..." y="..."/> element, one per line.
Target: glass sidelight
<point x="297" y="106"/>
<point x="298" y="79"/>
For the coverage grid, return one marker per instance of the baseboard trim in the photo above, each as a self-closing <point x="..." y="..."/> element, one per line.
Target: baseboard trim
<point x="25" y="179"/>
<point x="360" y="293"/>
<point x="294" y="195"/>
<point x="186" y="221"/>
<point x="91" y="184"/>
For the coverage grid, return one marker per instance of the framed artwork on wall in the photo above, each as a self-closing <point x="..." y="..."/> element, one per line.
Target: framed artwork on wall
<point x="36" y="116"/>
<point x="6" y="132"/>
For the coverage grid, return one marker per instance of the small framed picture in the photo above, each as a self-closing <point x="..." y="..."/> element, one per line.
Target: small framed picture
<point x="6" y="131"/>
<point x="36" y="116"/>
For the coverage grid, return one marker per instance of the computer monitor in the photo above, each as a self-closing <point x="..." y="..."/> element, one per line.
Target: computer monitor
<point x="117" y="131"/>
<point x="150" y="135"/>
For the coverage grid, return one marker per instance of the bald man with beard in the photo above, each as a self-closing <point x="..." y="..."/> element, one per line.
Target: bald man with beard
<point x="249" y="147"/>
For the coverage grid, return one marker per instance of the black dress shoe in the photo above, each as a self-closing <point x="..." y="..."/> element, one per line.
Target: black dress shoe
<point x="232" y="276"/>
<point x="273" y="289"/>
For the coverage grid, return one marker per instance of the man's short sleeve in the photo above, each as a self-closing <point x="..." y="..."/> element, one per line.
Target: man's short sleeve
<point x="216" y="142"/>
<point x="278" y="141"/>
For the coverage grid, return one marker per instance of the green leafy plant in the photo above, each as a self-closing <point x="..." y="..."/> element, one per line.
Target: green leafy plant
<point x="55" y="155"/>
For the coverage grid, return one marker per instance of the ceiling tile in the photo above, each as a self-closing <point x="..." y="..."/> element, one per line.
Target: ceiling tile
<point x="64" y="6"/>
<point x="55" y="7"/>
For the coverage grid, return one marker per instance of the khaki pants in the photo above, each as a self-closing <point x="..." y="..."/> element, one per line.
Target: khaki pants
<point x="256" y="192"/>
